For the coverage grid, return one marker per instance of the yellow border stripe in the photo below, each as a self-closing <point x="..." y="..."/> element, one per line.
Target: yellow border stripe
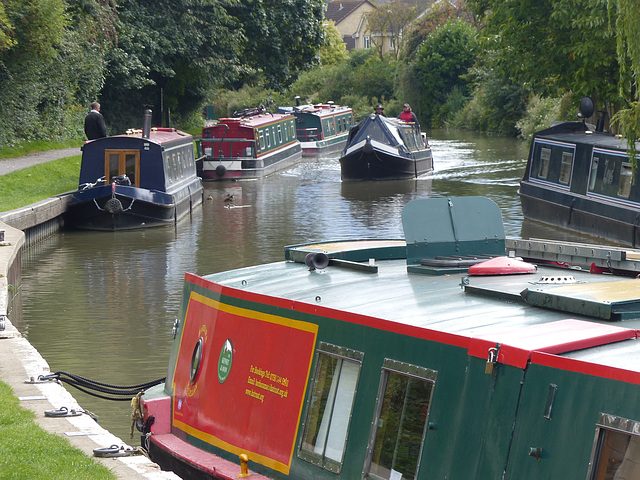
<point x="265" y="317"/>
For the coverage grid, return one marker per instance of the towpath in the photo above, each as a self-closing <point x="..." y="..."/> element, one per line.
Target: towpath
<point x="19" y="362"/>
<point x="8" y="165"/>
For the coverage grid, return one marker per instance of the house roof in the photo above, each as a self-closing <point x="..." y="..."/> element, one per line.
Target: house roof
<point x="341" y="9"/>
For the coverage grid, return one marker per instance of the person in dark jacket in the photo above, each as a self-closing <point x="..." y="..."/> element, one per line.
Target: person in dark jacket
<point x="379" y="109"/>
<point x="407" y="115"/>
<point x="94" y="126"/>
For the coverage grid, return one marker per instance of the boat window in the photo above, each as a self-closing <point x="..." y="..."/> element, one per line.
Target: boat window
<point x="545" y="157"/>
<point x="122" y="162"/>
<point x="594" y="172"/>
<point x="400" y="423"/>
<point x="329" y="406"/>
<point x="180" y="166"/>
<point x="396" y="133"/>
<point x="261" y="140"/>
<point x="626" y="175"/>
<point x="614" y="175"/>
<point x="412" y="137"/>
<point x="169" y="176"/>
<point x="279" y="134"/>
<point x="113" y="166"/>
<point x="616" y="449"/>
<point x="175" y="166"/>
<point x="267" y="135"/>
<point x="565" y="170"/>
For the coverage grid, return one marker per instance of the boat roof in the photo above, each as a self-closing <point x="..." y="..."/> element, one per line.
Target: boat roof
<point x="157" y="135"/>
<point x="561" y="309"/>
<point x="569" y="131"/>
<point x="322" y="109"/>
<point x="380" y="128"/>
<point x="253" y="121"/>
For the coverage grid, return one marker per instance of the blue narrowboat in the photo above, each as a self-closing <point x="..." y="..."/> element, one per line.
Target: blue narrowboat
<point x="145" y="178"/>
<point x="453" y="352"/>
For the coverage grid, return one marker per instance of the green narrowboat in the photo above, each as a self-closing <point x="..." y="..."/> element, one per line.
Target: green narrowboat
<point x="452" y="353"/>
<point x="321" y="127"/>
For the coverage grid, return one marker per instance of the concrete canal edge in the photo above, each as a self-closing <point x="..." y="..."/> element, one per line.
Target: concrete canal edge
<point x="19" y="361"/>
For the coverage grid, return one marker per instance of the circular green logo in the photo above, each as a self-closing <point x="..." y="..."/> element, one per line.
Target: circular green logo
<point x="224" y="361"/>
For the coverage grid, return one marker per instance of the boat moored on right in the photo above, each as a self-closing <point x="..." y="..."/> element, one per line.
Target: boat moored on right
<point x="581" y="179"/>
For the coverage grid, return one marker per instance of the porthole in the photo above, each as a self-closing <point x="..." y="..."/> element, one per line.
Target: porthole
<point x="196" y="359"/>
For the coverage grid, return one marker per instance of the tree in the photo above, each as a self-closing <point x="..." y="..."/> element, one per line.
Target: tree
<point x="333" y="50"/>
<point x="281" y="37"/>
<point x="552" y="46"/>
<point x="6" y="30"/>
<point x="441" y="62"/>
<point x="50" y="65"/>
<point x="388" y="22"/>
<point x="628" y="49"/>
<point x="169" y="54"/>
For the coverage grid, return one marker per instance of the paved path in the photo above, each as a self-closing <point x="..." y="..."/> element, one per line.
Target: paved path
<point x="18" y="163"/>
<point x="19" y="362"/>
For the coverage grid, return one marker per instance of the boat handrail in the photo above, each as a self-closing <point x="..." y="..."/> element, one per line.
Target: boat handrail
<point x="310" y="134"/>
<point x="603" y="257"/>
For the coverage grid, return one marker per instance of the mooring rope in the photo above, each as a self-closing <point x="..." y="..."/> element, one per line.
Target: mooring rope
<point x="88" y="386"/>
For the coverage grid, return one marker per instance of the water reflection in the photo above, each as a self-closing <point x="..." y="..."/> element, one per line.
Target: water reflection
<point x="102" y="304"/>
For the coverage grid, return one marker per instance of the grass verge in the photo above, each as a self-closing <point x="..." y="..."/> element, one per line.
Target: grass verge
<point x="39" y="182"/>
<point x="30" y="452"/>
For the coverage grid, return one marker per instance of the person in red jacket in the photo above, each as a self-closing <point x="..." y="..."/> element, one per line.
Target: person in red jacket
<point x="407" y="115"/>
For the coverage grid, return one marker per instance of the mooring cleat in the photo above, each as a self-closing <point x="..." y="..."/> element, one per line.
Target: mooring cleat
<point x="115" y="451"/>
<point x="63" y="412"/>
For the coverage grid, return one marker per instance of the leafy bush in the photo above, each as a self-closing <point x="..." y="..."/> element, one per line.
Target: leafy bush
<point x="442" y="61"/>
<point x="542" y="112"/>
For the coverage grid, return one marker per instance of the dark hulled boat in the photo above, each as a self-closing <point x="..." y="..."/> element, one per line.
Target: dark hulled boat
<point x="145" y="178"/>
<point x="251" y="144"/>
<point x="322" y="127"/>
<point x="413" y="359"/>
<point x="582" y="180"/>
<point x="381" y="148"/>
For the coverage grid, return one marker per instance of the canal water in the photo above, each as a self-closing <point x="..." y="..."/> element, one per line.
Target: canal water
<point x="102" y="304"/>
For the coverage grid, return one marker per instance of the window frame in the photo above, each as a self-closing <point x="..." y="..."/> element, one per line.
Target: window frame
<point x="408" y="370"/>
<point x="344" y="354"/>
<point x="122" y="165"/>
<point x="608" y="423"/>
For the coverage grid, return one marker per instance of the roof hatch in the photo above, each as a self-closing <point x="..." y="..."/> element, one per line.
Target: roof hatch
<point x="612" y="300"/>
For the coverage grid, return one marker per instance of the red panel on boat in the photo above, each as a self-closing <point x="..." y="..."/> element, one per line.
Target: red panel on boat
<point x="206" y="462"/>
<point x="555" y="338"/>
<point x="502" y="266"/>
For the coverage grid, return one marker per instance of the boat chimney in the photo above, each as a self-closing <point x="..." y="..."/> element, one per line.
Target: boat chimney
<point x="146" y="124"/>
<point x="600" y="124"/>
<point x="297" y="97"/>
